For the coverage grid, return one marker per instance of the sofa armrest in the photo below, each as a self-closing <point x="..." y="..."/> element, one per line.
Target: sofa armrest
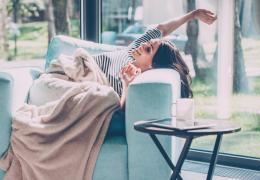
<point x="14" y="87"/>
<point x="5" y="111"/>
<point x="151" y="95"/>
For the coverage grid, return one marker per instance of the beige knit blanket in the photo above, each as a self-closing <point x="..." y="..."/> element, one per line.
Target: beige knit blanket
<point x="61" y="139"/>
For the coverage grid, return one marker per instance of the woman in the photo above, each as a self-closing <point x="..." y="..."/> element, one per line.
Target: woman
<point x="150" y="51"/>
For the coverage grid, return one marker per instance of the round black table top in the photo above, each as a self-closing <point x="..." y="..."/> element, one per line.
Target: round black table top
<point x="215" y="127"/>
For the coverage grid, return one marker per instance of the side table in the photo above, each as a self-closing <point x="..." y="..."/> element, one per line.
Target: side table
<point x="158" y="127"/>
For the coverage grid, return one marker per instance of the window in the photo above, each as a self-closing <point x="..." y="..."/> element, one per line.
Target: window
<point x="123" y="21"/>
<point x="28" y="25"/>
<point x="245" y="97"/>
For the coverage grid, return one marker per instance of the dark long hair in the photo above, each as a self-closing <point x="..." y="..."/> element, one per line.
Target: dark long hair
<point x="168" y="56"/>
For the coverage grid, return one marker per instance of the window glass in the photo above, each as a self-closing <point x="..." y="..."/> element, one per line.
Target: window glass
<point x="135" y="29"/>
<point x="26" y="27"/>
<point x="245" y="97"/>
<point x="125" y="20"/>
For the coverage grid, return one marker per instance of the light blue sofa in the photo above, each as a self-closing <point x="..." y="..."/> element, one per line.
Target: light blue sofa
<point x="126" y="153"/>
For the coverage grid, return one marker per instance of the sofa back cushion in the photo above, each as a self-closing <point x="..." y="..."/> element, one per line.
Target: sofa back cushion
<point x="67" y="45"/>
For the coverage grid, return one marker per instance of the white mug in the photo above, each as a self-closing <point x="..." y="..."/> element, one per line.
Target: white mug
<point x="185" y="109"/>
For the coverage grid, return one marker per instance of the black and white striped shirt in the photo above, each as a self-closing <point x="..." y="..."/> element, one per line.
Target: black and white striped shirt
<point x="112" y="62"/>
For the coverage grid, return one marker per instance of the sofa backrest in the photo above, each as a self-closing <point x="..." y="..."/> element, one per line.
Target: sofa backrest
<point x="67" y="45"/>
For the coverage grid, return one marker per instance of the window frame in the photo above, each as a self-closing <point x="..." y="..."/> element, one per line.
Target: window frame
<point x="91" y="20"/>
<point x="225" y="159"/>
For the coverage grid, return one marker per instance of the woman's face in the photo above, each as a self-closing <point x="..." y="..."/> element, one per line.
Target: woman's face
<point x="144" y="54"/>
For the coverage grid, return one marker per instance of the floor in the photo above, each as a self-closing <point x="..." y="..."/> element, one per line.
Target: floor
<point x="188" y="175"/>
<point x="194" y="170"/>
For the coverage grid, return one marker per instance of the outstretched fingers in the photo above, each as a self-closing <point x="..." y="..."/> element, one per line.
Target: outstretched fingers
<point x="206" y="16"/>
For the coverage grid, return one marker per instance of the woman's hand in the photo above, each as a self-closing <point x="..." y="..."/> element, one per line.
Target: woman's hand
<point x="205" y="16"/>
<point x="128" y="74"/>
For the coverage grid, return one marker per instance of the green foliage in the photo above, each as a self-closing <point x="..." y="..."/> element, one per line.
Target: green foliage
<point x="25" y="9"/>
<point x="241" y="143"/>
<point x="9" y="7"/>
<point x="32" y="42"/>
<point x="75" y="28"/>
<point x="248" y="121"/>
<point x="28" y="10"/>
<point x="207" y="86"/>
<point x="257" y="85"/>
<point x="202" y="87"/>
<point x="244" y="142"/>
<point x="254" y="83"/>
<point x="205" y="115"/>
<point x="32" y="31"/>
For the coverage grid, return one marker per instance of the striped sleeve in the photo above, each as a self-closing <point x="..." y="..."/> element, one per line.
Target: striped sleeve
<point x="151" y="33"/>
<point x="112" y="62"/>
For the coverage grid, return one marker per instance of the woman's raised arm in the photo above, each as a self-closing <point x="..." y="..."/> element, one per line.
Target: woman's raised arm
<point x="204" y="15"/>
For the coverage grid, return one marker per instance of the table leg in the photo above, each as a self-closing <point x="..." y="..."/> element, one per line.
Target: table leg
<point x="182" y="157"/>
<point x="165" y="155"/>
<point x="214" y="156"/>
